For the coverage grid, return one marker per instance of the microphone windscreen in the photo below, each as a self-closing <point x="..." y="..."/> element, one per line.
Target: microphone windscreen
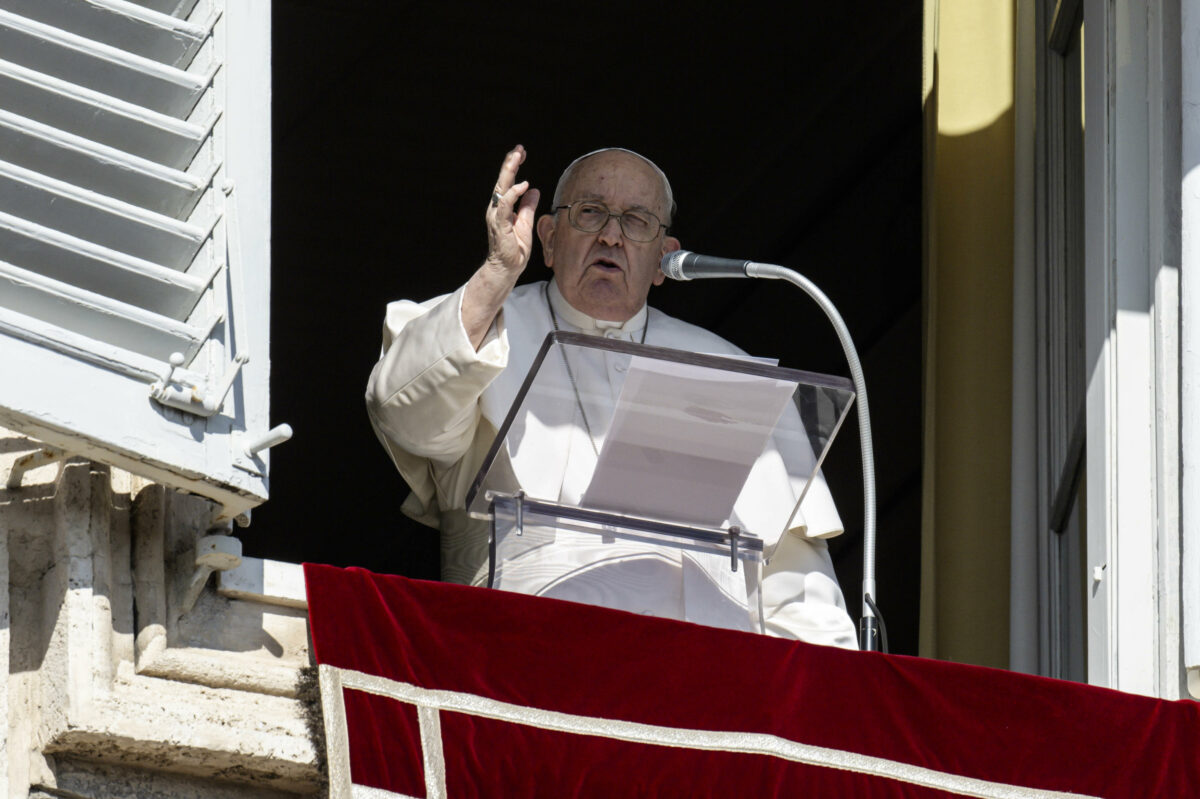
<point x="672" y="264"/>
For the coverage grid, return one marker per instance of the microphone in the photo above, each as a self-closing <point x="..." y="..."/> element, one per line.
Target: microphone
<point x="684" y="265"/>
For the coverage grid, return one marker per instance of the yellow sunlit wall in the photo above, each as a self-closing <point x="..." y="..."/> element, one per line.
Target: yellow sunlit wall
<point x="968" y="349"/>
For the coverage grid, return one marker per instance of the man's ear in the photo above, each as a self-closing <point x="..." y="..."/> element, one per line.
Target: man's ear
<point x="670" y="244"/>
<point x="545" y="231"/>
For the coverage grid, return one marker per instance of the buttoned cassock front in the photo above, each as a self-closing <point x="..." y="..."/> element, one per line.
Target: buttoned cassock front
<point x="436" y="403"/>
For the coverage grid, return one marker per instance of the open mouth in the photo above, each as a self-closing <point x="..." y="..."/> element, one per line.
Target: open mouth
<point x="606" y="265"/>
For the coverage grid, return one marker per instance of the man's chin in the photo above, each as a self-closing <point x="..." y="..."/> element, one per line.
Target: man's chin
<point x="607" y="303"/>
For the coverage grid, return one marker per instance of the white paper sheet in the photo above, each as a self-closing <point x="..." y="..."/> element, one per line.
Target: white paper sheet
<point x="683" y="440"/>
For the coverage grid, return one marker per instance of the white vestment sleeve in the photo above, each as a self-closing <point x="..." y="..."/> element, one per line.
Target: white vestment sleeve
<point x="423" y="399"/>
<point x="820" y="514"/>
<point x="800" y="594"/>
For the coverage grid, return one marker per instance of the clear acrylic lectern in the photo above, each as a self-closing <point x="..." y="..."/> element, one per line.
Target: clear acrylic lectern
<point x="653" y="480"/>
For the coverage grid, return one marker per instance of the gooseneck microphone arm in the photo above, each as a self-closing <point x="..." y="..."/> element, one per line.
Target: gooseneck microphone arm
<point x="684" y="265"/>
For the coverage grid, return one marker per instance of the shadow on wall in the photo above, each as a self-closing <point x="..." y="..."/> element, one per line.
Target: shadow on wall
<point x="969" y="350"/>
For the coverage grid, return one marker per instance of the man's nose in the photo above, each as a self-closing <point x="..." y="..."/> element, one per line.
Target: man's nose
<point x="611" y="233"/>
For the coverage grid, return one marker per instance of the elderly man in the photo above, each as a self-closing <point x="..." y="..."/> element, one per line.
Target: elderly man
<point x="452" y="366"/>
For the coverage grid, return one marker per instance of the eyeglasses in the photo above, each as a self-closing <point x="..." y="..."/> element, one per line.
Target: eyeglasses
<point x="591" y="217"/>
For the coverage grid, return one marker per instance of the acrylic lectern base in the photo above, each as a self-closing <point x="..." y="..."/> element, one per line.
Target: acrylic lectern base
<point x="637" y="565"/>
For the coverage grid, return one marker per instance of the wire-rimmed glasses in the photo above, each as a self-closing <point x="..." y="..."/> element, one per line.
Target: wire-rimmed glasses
<point x="590" y="216"/>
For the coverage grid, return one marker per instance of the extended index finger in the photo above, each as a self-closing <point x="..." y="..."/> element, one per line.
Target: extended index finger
<point x="508" y="170"/>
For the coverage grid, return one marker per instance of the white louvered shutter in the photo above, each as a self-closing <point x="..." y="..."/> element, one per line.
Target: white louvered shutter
<point x="134" y="226"/>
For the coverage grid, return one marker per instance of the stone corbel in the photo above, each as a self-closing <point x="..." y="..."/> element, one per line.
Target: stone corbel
<point x="167" y="588"/>
<point x="122" y="694"/>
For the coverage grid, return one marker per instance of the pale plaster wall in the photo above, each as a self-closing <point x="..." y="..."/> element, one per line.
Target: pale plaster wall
<point x="969" y="251"/>
<point x="112" y="689"/>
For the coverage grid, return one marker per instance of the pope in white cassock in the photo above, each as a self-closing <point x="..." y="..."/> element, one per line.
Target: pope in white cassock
<point x="451" y="368"/>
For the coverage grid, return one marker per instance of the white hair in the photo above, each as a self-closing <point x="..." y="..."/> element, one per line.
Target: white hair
<point x="570" y="170"/>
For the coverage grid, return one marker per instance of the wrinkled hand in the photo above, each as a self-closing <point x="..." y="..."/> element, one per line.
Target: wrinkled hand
<point x="510" y="242"/>
<point x="510" y="222"/>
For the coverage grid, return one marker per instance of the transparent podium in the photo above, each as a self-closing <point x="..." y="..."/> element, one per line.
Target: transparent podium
<point x="654" y="480"/>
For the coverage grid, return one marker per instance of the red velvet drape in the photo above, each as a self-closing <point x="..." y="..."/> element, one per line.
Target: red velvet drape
<point x="963" y="721"/>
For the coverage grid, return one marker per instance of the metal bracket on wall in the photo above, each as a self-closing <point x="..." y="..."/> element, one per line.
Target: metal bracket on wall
<point x="34" y="460"/>
<point x="193" y="399"/>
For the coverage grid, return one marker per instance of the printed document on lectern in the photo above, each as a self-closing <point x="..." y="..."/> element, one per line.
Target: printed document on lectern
<point x="683" y="440"/>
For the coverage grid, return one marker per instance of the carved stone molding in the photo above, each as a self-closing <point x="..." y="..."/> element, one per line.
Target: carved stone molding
<point x="110" y="683"/>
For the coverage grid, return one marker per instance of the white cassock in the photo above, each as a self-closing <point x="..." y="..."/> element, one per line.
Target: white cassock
<point x="436" y="404"/>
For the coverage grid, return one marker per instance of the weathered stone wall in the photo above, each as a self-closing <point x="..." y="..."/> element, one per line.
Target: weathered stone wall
<point x="115" y="688"/>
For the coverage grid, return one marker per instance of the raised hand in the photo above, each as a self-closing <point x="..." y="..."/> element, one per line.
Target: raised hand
<point x="510" y="217"/>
